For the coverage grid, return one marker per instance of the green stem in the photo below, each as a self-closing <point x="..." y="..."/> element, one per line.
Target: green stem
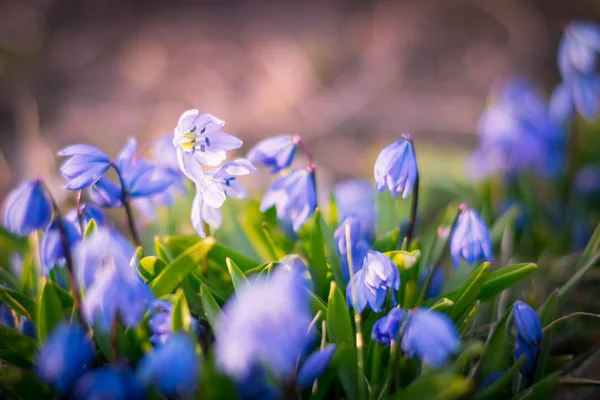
<point x="360" y="363"/>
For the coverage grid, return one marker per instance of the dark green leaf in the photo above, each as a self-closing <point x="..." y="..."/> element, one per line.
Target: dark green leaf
<point x="506" y="219"/>
<point x="172" y="275"/>
<point x="503" y="278"/>
<point x="11" y="242"/>
<point x="318" y="257"/>
<point x="469" y="292"/>
<point x="497" y="353"/>
<point x="237" y="276"/>
<point x="17" y="344"/>
<point x="210" y="306"/>
<point x="276" y="249"/>
<point x="387" y="242"/>
<point x="547" y="313"/>
<point x="18" y="302"/>
<point x="50" y="313"/>
<point x="219" y="255"/>
<point x="181" y="317"/>
<point x="495" y="389"/>
<point x="439" y="386"/>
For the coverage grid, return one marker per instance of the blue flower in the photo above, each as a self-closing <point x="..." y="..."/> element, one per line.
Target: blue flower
<point x="85" y="165"/>
<point x="396" y="168"/>
<point x="27" y="327"/>
<point x="315" y="365"/>
<point x="212" y="189"/>
<point x="435" y="284"/>
<point x="431" y="337"/>
<point x="52" y="251"/>
<point x="293" y="195"/>
<point x="198" y="140"/>
<point x="174" y="367"/>
<point x="387" y="328"/>
<point x="108" y="383"/>
<point x="161" y="322"/>
<point x="274" y="316"/>
<point x="88" y="212"/>
<point x="6" y="316"/>
<point x="165" y="159"/>
<point x="377" y="276"/>
<point x="65" y="356"/>
<point x="257" y="386"/>
<point x="357" y="197"/>
<point x="578" y="49"/>
<point x="105" y="248"/>
<point x="339" y="236"/>
<point x="27" y="208"/>
<point x="531" y="355"/>
<point x="527" y="323"/>
<point x="295" y="263"/>
<point x="116" y="291"/>
<point x="359" y="246"/>
<point x="106" y="193"/>
<point x="579" y="93"/>
<point x="470" y="239"/>
<point x="275" y="152"/>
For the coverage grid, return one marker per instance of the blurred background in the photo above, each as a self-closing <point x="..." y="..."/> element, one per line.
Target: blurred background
<point x="349" y="76"/>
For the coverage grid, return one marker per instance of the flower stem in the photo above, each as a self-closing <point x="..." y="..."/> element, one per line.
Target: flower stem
<point x="412" y="217"/>
<point x="127" y="207"/>
<point x="311" y="163"/>
<point x="68" y="258"/>
<point x="360" y="362"/>
<point x="79" y="212"/>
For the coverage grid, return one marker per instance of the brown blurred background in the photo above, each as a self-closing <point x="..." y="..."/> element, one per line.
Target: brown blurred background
<point x="348" y="75"/>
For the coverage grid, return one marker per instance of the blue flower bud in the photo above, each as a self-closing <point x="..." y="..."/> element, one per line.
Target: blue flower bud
<point x="315" y="365"/>
<point x="527" y="323"/>
<point x="387" y="328"/>
<point x="578" y="49"/>
<point x="359" y="251"/>
<point x="275" y="152"/>
<point x="65" y="356"/>
<point x="27" y="208"/>
<point x="85" y="165"/>
<point x="52" y="251"/>
<point x="378" y="275"/>
<point x="293" y="195"/>
<point x="396" y="168"/>
<point x="470" y="239"/>
<point x="339" y="235"/>
<point x="531" y="355"/>
<point x="27" y="327"/>
<point x="431" y="337"/>
<point x="357" y="197"/>
<point x="174" y="367"/>
<point x="108" y="383"/>
<point x="436" y="282"/>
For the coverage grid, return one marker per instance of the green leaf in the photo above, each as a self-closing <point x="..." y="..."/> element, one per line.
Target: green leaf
<point x="161" y="251"/>
<point x="340" y="332"/>
<point x="180" y="318"/>
<point x="91" y="227"/>
<point x="18" y="302"/>
<point x="503" y="278"/>
<point x="440" y="386"/>
<point x="468" y="317"/>
<point x="547" y="313"/>
<point x="495" y="389"/>
<point x="442" y="304"/>
<point x="16" y="348"/>
<point x="387" y="242"/>
<point x="592" y="247"/>
<point x="50" y="312"/>
<point x="332" y="255"/>
<point x="220" y="253"/>
<point x="387" y="214"/>
<point x="66" y="299"/>
<point x="276" y="249"/>
<point x="540" y="390"/>
<point x="507" y="219"/>
<point x="210" y="306"/>
<point x="151" y="266"/>
<point x="318" y="257"/>
<point x="10" y="242"/>
<point x="237" y="276"/>
<point x="497" y="352"/>
<point x="172" y="275"/>
<point x="469" y="292"/>
<point x="472" y="350"/>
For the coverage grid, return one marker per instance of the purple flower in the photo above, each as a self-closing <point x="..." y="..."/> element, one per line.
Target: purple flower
<point x="84" y="166"/>
<point x="470" y="239"/>
<point x="65" y="356"/>
<point x="431" y="337"/>
<point x="531" y="355"/>
<point x="387" y="328"/>
<point x="274" y="316"/>
<point x="527" y="323"/>
<point x="174" y="367"/>
<point x="276" y="152"/>
<point x="358" y="254"/>
<point x="578" y="49"/>
<point x="106" y="193"/>
<point x="198" y="140"/>
<point x="108" y="383"/>
<point x="293" y="195"/>
<point x="378" y="275"/>
<point x="27" y="208"/>
<point x="396" y="168"/>
<point x="579" y="93"/>
<point x="52" y="251"/>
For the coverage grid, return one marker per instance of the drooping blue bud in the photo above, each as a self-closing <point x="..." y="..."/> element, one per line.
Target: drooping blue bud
<point x="396" y="168"/>
<point x="387" y="328"/>
<point x="27" y="208"/>
<point x="470" y="239"/>
<point x="378" y="275"/>
<point x="276" y="152"/>
<point x="85" y="165"/>
<point x="65" y="356"/>
<point x="527" y="323"/>
<point x="315" y="365"/>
